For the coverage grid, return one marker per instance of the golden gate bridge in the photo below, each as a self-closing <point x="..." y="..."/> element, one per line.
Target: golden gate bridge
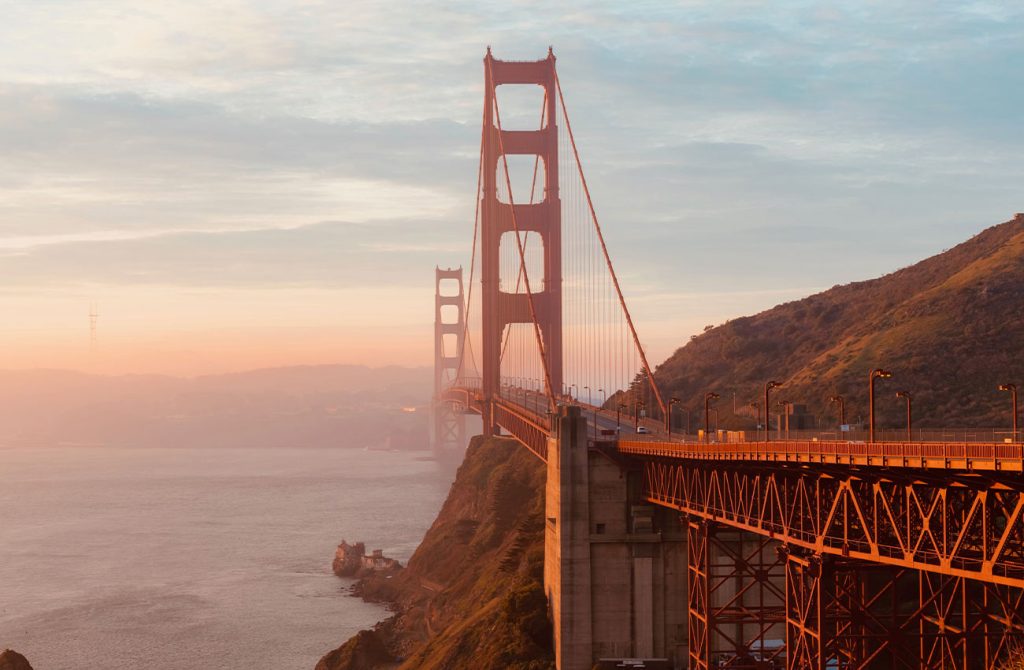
<point x="799" y="553"/>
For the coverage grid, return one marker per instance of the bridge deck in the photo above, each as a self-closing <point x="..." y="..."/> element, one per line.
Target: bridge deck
<point x="530" y="425"/>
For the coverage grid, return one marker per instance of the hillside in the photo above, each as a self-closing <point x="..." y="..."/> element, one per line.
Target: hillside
<point x="950" y="328"/>
<point x="472" y="594"/>
<point x="312" y="406"/>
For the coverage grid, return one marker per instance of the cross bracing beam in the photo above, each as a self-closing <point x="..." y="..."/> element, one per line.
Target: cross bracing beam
<point x="969" y="526"/>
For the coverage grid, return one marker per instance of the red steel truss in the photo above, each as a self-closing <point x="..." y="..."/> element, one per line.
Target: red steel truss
<point x="736" y="603"/>
<point x="879" y="569"/>
<point x="528" y="427"/>
<point x="958" y="524"/>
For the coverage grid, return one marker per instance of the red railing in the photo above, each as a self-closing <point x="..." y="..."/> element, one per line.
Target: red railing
<point x="950" y="455"/>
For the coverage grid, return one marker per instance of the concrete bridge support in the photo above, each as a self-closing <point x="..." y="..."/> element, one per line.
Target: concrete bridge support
<point x="615" y="570"/>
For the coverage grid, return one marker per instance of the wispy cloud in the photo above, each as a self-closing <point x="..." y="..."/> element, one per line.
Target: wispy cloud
<point x="234" y="144"/>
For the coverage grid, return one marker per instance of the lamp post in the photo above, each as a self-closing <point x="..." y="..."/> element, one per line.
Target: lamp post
<point x="636" y="415"/>
<point x="839" y="400"/>
<point x="668" y="415"/>
<point x="1012" y="388"/>
<point x="618" y="416"/>
<point x="877" y="373"/>
<point x="906" y="394"/>
<point x="768" y="387"/>
<point x="590" y="401"/>
<point x="785" y="405"/>
<point x="708" y="397"/>
<point x="572" y="395"/>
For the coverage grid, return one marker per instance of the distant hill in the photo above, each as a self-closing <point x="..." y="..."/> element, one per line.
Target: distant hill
<point x="950" y="328"/>
<point x="317" y="405"/>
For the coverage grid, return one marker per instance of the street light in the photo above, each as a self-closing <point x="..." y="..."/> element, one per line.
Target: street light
<point x="637" y="408"/>
<point x="906" y="394"/>
<point x="708" y="397"/>
<point x="590" y="401"/>
<point x="768" y="387"/>
<point x="785" y="405"/>
<point x="618" y="416"/>
<point x="839" y="400"/>
<point x="1012" y="388"/>
<point x="573" y="396"/>
<point x="875" y="374"/>
<point x="668" y="415"/>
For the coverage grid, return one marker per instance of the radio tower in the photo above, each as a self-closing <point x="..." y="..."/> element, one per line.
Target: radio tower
<point x="94" y="316"/>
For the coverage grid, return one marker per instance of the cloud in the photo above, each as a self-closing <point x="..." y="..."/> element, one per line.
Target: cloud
<point x="728" y="145"/>
<point x="328" y="254"/>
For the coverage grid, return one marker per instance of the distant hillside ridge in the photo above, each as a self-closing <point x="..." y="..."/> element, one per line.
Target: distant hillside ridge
<point x="310" y="405"/>
<point x="950" y="328"/>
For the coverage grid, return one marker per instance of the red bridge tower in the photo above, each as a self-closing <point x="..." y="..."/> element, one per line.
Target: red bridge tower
<point x="500" y="307"/>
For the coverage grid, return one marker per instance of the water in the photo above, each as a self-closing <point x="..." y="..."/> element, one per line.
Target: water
<point x="196" y="558"/>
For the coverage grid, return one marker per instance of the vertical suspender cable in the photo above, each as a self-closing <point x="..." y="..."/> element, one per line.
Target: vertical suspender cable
<point x="604" y="249"/>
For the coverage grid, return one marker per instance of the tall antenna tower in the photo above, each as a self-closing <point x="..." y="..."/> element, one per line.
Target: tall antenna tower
<point x="94" y="316"/>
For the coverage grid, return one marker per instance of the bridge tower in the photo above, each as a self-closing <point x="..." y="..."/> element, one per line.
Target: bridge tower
<point x="449" y="422"/>
<point x="505" y="305"/>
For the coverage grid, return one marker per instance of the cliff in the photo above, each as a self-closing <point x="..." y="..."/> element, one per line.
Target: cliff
<point x="950" y="329"/>
<point x="12" y="660"/>
<point x="472" y="594"/>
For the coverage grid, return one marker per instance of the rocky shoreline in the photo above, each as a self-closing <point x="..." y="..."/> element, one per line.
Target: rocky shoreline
<point x="472" y="594"/>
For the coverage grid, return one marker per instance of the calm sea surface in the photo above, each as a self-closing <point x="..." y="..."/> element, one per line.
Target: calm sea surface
<point x="196" y="558"/>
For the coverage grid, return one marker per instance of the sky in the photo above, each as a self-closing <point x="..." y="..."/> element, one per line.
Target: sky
<point x="248" y="183"/>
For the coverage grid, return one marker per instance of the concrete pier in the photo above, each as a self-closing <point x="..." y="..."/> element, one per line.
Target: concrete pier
<point x="614" y="569"/>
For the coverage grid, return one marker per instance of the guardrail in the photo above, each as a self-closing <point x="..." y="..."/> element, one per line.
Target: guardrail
<point x="930" y="455"/>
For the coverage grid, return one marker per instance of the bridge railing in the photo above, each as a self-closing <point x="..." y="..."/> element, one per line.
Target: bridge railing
<point x="944" y="435"/>
<point x="943" y="455"/>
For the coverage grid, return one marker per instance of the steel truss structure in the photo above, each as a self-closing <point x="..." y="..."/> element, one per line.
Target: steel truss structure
<point x="878" y="569"/>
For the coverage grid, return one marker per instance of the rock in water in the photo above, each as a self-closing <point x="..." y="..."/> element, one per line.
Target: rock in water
<point x="348" y="558"/>
<point x="12" y="660"/>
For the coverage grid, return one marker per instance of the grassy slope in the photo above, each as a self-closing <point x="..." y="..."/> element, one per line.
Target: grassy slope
<point x="951" y="328"/>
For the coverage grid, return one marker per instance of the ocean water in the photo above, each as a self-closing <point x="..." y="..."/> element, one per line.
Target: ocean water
<point x="196" y="558"/>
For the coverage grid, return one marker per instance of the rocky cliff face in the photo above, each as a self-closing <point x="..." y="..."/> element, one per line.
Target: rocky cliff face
<point x="472" y="594"/>
<point x="12" y="660"/>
